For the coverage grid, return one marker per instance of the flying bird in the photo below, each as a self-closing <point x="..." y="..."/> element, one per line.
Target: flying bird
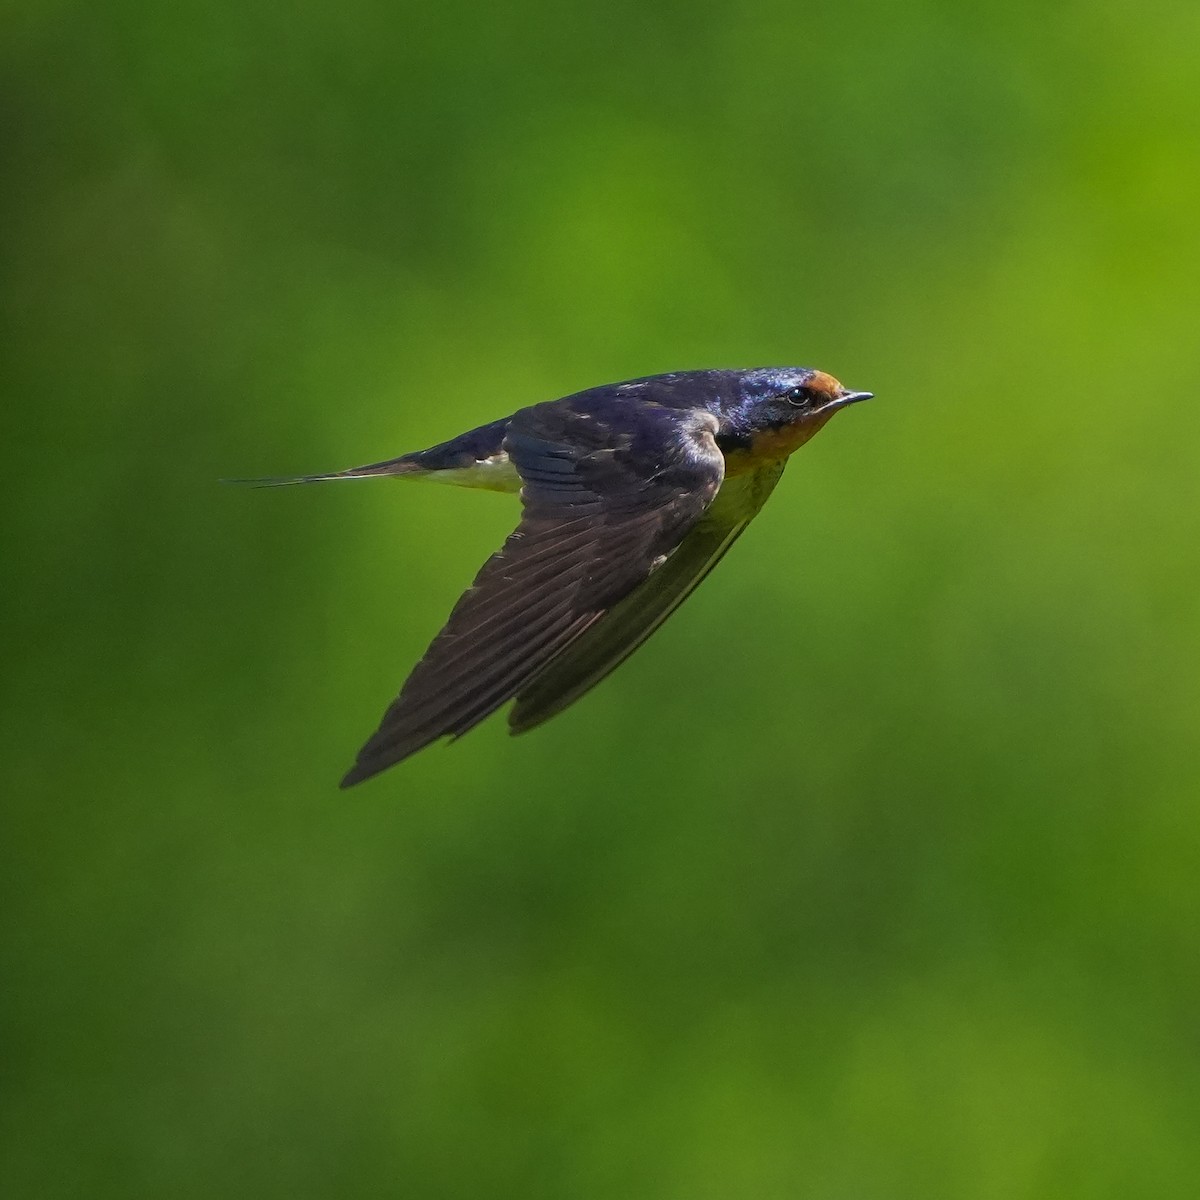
<point x="631" y="493"/>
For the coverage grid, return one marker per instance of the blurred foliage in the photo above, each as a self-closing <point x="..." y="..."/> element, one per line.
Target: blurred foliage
<point x="873" y="875"/>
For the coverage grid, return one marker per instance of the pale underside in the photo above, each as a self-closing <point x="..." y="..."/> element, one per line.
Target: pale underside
<point x="494" y="474"/>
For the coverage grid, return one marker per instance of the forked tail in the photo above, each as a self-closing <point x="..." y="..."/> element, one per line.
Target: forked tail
<point x="474" y="459"/>
<point x="404" y="465"/>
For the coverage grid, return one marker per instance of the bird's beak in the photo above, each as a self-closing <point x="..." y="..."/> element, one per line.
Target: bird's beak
<point x="853" y="398"/>
<point x="843" y="398"/>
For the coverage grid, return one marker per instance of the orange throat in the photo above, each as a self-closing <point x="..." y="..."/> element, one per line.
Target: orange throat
<point x="772" y="445"/>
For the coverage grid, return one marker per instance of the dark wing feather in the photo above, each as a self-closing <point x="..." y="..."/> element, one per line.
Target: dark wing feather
<point x="609" y="492"/>
<point x="615" y="636"/>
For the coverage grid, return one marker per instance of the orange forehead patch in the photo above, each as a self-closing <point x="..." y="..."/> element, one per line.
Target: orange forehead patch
<point x="824" y="383"/>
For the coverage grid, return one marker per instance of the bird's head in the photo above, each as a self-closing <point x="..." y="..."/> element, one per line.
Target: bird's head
<point x="782" y="407"/>
<point x="790" y="395"/>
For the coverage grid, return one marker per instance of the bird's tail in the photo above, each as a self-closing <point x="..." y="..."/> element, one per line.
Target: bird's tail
<point x="404" y="465"/>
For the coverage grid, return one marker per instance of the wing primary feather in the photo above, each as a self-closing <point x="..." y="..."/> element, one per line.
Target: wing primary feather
<point x="454" y="715"/>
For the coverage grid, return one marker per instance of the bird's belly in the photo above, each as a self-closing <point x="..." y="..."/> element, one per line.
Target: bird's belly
<point x="771" y="445"/>
<point x="494" y="473"/>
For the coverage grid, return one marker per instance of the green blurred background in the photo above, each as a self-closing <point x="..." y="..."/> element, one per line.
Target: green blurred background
<point x="873" y="875"/>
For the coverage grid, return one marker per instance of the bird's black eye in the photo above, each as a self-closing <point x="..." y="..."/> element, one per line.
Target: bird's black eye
<point x="799" y="396"/>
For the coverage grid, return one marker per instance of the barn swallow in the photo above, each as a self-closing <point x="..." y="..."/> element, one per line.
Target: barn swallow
<point x="631" y="493"/>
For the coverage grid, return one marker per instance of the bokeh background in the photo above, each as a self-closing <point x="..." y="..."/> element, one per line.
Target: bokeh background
<point x="873" y="875"/>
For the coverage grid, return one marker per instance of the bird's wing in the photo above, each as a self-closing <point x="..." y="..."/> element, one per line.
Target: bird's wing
<point x="616" y="635"/>
<point x="608" y="494"/>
